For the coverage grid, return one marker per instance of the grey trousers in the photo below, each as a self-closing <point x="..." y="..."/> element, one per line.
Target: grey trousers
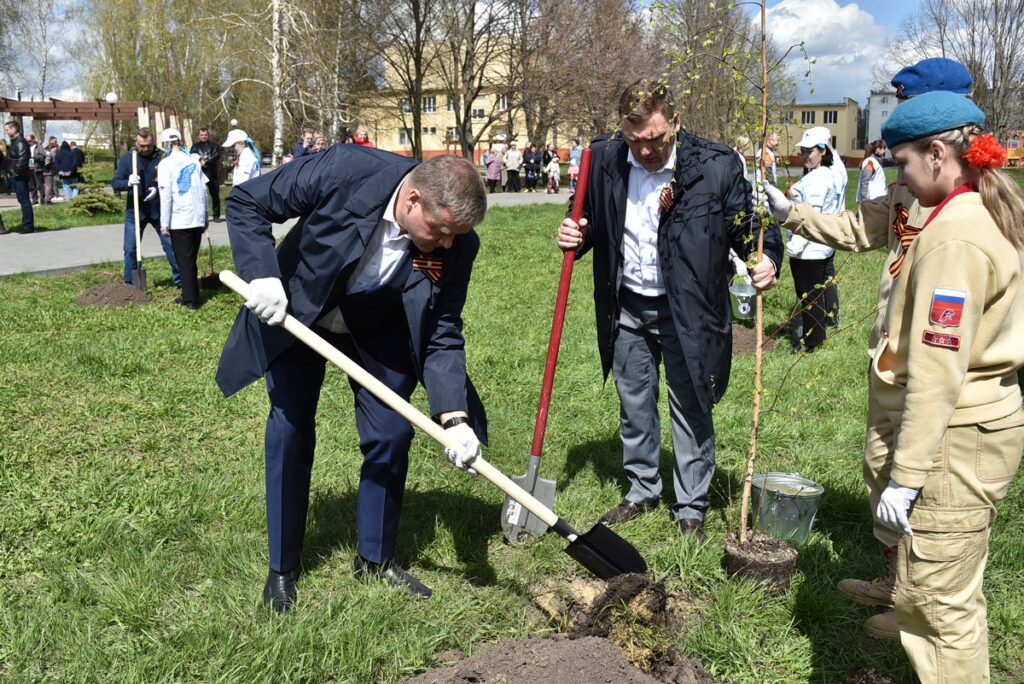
<point x="646" y="337"/>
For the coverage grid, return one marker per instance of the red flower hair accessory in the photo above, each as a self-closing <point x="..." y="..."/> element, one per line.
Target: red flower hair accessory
<point x="985" y="152"/>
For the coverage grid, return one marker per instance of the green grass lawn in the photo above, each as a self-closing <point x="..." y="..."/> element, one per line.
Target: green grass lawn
<point x="132" y="541"/>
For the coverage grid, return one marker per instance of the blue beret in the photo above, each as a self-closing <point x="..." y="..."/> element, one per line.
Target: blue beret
<point x="937" y="73"/>
<point x="927" y="114"/>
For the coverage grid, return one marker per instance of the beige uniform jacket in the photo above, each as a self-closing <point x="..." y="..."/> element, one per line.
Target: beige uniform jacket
<point x="953" y="335"/>
<point x="871" y="228"/>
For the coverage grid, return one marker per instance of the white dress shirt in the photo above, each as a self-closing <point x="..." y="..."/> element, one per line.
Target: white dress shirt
<point x="641" y="272"/>
<point x="383" y="254"/>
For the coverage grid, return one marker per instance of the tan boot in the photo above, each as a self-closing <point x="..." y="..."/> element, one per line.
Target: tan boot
<point x="883" y="626"/>
<point x="879" y="592"/>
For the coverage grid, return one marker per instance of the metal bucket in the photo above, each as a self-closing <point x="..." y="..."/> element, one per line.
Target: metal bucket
<point x="742" y="296"/>
<point x="784" y="505"/>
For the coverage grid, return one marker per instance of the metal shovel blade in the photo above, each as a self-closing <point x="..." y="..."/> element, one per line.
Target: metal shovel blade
<point x="518" y="524"/>
<point x="605" y="553"/>
<point x="139" y="278"/>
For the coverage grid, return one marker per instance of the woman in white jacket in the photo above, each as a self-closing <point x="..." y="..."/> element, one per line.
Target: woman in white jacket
<point x="872" y="177"/>
<point x="810" y="261"/>
<point x="183" y="218"/>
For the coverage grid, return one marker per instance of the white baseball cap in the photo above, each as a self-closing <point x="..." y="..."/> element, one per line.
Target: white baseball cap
<point x="170" y="135"/>
<point x="819" y="136"/>
<point x="235" y="135"/>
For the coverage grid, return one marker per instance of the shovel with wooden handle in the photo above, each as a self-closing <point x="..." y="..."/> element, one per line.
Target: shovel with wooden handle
<point x="138" y="273"/>
<point x="518" y="524"/>
<point x="600" y="550"/>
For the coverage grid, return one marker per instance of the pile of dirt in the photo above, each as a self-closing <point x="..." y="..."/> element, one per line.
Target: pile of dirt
<point x="867" y="675"/>
<point x="744" y="340"/>
<point x="113" y="295"/>
<point x="551" y="661"/>
<point x="635" y="613"/>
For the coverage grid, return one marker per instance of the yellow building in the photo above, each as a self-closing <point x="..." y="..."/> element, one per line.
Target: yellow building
<point x="389" y="130"/>
<point x="841" y="118"/>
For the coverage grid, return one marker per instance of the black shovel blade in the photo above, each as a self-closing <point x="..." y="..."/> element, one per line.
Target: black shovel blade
<point x="605" y="553"/>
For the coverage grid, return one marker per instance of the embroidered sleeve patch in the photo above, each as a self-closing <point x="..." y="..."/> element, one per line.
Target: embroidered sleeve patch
<point x="935" y="339"/>
<point x="947" y="307"/>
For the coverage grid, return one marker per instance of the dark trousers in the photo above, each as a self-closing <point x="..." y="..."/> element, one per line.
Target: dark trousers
<point x="294" y="380"/>
<point x="213" y="188"/>
<point x="513" y="182"/>
<point x="809" y="282"/>
<point x="35" y="184"/>
<point x="831" y="293"/>
<point x="491" y="184"/>
<point x="531" y="180"/>
<point x="28" y="219"/>
<point x="186" y="243"/>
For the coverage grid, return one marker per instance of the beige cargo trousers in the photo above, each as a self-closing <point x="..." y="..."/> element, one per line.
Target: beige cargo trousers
<point x="940" y="607"/>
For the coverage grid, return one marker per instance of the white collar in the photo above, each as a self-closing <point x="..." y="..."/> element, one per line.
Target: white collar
<point x="392" y="229"/>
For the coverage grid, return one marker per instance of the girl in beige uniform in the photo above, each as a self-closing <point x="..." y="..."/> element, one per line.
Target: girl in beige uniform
<point x="944" y="372"/>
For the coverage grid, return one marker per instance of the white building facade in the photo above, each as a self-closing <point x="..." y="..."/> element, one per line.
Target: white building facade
<point x="880" y="106"/>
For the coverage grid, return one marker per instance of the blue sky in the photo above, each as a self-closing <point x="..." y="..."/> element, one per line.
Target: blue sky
<point x="844" y="38"/>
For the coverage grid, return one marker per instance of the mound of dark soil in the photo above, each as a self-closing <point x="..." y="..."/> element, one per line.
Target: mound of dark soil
<point x="113" y="295"/>
<point x="744" y="340"/>
<point x="545" y="661"/>
<point x="867" y="675"/>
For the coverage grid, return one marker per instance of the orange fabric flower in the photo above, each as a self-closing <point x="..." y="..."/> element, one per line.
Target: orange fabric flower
<point x="985" y="152"/>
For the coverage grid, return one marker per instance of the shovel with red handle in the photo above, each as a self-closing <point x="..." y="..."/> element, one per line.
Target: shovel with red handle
<point x="600" y="550"/>
<point x="519" y="525"/>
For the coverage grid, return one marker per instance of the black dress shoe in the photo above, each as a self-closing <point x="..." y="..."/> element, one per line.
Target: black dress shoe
<point x="26" y="231"/>
<point x="279" y="592"/>
<point x="393" y="574"/>
<point x="695" y="527"/>
<point x="627" y="510"/>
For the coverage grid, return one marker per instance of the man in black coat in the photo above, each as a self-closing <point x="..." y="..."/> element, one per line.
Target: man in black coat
<point x="209" y="161"/>
<point x="379" y="263"/>
<point x="663" y="208"/>
<point x="18" y="155"/>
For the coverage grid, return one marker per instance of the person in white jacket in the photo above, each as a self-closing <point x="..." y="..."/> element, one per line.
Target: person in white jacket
<point x="871" y="183"/>
<point x="247" y="158"/>
<point x="182" y="185"/>
<point x="809" y="261"/>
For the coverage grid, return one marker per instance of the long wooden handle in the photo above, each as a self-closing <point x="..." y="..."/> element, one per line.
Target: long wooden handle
<point x="138" y="219"/>
<point x="407" y="410"/>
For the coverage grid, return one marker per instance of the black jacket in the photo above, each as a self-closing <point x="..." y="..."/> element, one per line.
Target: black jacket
<point x="209" y="159"/>
<point x="694" y="237"/>
<point x="339" y="197"/>
<point x="18" y="156"/>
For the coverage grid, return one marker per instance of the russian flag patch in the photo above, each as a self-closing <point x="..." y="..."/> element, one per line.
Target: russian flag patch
<point x="947" y="307"/>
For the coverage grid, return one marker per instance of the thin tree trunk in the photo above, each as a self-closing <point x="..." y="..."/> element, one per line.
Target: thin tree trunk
<point x="758" y="350"/>
<point x="277" y="58"/>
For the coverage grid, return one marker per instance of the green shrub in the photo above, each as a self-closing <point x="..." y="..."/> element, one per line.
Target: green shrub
<point x="93" y="203"/>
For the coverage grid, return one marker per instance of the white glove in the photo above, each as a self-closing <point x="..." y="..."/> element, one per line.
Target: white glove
<point x="268" y="300"/>
<point x="777" y="202"/>
<point x="469" y="447"/>
<point x="149" y="195"/>
<point x="893" y="507"/>
<point x="133" y="179"/>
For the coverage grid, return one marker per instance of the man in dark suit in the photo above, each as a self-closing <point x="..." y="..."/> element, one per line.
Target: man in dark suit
<point x="379" y="262"/>
<point x="665" y="207"/>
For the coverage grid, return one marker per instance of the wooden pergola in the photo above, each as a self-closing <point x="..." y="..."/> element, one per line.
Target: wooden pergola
<point x="147" y="114"/>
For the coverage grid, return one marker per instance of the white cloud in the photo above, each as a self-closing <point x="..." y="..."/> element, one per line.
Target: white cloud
<point x="844" y="40"/>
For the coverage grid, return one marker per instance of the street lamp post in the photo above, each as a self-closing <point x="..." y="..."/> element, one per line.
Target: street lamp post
<point x="111" y="99"/>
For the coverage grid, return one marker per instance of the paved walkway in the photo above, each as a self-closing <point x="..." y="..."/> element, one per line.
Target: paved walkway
<point x="59" y="251"/>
